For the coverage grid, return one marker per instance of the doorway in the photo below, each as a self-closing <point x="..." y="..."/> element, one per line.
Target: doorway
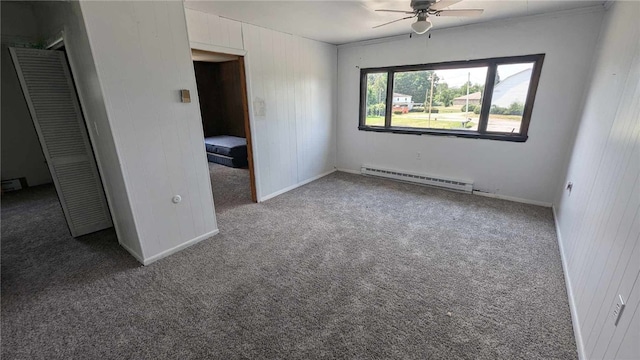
<point x="222" y="92"/>
<point x="48" y="88"/>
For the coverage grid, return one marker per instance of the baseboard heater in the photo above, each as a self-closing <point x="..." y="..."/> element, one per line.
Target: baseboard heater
<point x="424" y="179"/>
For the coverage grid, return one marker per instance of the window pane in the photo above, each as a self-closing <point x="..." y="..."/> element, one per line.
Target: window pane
<point x="509" y="97"/>
<point x="376" y="99"/>
<point x="452" y="103"/>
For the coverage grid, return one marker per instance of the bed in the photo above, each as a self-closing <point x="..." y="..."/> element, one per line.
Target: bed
<point x="227" y="150"/>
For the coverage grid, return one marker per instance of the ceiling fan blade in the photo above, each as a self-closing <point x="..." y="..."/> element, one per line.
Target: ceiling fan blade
<point x="443" y="4"/>
<point x="461" y="12"/>
<point x="396" y="11"/>
<point x="391" y="22"/>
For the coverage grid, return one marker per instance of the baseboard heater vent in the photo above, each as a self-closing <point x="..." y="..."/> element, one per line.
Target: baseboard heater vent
<point x="459" y="185"/>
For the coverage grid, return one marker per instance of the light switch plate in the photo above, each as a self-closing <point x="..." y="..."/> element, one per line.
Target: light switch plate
<point x="618" y="308"/>
<point x="185" y="96"/>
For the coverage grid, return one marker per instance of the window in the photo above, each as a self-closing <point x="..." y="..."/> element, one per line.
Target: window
<point x="488" y="98"/>
<point x="376" y="107"/>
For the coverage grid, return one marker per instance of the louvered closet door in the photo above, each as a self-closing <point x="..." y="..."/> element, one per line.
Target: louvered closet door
<point x="51" y="97"/>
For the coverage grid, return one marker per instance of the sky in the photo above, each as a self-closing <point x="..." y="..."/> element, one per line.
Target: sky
<point x="457" y="77"/>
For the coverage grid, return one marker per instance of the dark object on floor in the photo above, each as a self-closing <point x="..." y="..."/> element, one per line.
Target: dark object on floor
<point x="227" y="150"/>
<point x="227" y="161"/>
<point x="346" y="267"/>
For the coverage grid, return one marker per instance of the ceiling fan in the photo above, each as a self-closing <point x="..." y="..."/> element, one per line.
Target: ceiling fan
<point x="423" y="8"/>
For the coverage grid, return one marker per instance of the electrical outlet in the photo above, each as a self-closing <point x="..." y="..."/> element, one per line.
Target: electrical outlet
<point x="418" y="156"/>
<point x="569" y="187"/>
<point x="618" y="308"/>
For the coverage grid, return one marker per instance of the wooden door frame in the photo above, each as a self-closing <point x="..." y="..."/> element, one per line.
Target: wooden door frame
<point x="247" y="127"/>
<point x="245" y="112"/>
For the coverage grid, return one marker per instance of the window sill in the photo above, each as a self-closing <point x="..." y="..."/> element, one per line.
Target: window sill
<point x="455" y="133"/>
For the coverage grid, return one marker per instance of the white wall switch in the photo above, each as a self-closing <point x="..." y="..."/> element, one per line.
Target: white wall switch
<point x="617" y="309"/>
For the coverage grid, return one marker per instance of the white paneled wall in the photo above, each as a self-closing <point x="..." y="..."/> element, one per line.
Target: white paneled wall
<point x="529" y="171"/>
<point x="294" y="140"/>
<point x="52" y="17"/>
<point x="295" y="78"/>
<point x="214" y="30"/>
<point x="142" y="57"/>
<point x="599" y="220"/>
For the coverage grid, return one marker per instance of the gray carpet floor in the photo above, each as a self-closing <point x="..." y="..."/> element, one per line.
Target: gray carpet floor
<point x="231" y="187"/>
<point x="347" y="267"/>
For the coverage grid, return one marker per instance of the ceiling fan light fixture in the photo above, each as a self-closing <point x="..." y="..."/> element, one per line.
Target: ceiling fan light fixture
<point x="422" y="25"/>
<point x="423" y="8"/>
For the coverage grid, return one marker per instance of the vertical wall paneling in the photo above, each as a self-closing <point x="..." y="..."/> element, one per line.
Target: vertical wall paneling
<point x="301" y="103"/>
<point x="529" y="171"/>
<point x="157" y="128"/>
<point x="302" y="111"/>
<point x="235" y="34"/>
<point x="143" y="59"/>
<point x="294" y="140"/>
<point x="599" y="221"/>
<point x="214" y="30"/>
<point x="273" y="137"/>
<point x="282" y="102"/>
<point x="52" y="17"/>
<point x="198" y="26"/>
<point x="217" y="33"/>
<point x="291" y="105"/>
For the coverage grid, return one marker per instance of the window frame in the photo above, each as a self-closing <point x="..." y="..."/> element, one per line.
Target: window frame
<point x="482" y="133"/>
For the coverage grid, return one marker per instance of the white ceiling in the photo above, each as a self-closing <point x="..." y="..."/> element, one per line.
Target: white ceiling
<point x="345" y="21"/>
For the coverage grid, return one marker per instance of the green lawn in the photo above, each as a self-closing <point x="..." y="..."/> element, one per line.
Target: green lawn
<point x="419" y="121"/>
<point x="447" y="118"/>
<point x="447" y="110"/>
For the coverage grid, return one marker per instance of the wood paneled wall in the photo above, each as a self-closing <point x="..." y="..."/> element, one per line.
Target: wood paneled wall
<point x="220" y="97"/>
<point x="599" y="220"/>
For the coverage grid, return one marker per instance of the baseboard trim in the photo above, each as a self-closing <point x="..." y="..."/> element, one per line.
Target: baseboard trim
<point x="357" y="172"/>
<point x="512" y="198"/>
<point x="475" y="192"/>
<point x="280" y="192"/>
<point x="567" y="279"/>
<point x="133" y="253"/>
<point x="175" y="249"/>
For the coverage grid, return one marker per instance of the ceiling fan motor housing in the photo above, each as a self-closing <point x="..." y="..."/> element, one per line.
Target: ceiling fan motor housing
<point x="422" y="9"/>
<point x="422" y="4"/>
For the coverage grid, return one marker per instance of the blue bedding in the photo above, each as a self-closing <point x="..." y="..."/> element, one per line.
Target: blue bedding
<point x="227" y="161"/>
<point x="231" y="146"/>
